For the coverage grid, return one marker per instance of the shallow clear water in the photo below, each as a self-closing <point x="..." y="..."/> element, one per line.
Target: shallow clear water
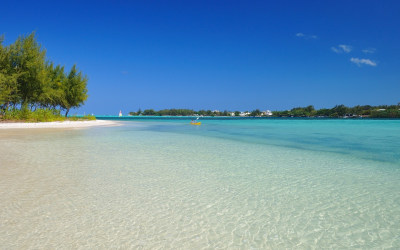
<point x="250" y="184"/>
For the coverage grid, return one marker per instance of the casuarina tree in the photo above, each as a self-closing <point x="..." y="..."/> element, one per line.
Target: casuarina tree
<point x="75" y="91"/>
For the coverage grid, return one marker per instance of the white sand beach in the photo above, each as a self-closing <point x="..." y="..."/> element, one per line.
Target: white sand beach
<point x="63" y="124"/>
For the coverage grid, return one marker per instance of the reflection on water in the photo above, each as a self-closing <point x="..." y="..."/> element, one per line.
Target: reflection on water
<point x="168" y="185"/>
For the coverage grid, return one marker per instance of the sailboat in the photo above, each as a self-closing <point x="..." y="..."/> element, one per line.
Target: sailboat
<point x="120" y="113"/>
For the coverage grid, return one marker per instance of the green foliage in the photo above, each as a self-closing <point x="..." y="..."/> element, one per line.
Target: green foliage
<point x="256" y="112"/>
<point x="25" y="112"/>
<point x="139" y="112"/>
<point x="46" y="115"/>
<point x="165" y="112"/>
<point x="8" y="78"/>
<point x="80" y="118"/>
<point x="89" y="117"/>
<point x="52" y="92"/>
<point x="177" y="112"/>
<point x="323" y="112"/>
<point x="27" y="59"/>
<point x="285" y="113"/>
<point x="388" y="113"/>
<point x="381" y="111"/>
<point x="75" y="92"/>
<point x="149" y="112"/>
<point x="11" y="114"/>
<point x="29" y="82"/>
<point x="74" y="118"/>
<point x="39" y="115"/>
<point x="338" y="111"/>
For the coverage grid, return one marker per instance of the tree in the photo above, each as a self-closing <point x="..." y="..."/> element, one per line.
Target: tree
<point x="256" y="112"/>
<point x="339" y="110"/>
<point x="149" y="112"/>
<point x="309" y="110"/>
<point x="27" y="61"/>
<point x="52" y="92"/>
<point x="28" y="81"/>
<point x="323" y="112"/>
<point x="8" y="78"/>
<point x="75" y="91"/>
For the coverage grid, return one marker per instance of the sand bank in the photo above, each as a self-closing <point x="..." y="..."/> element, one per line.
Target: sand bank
<point x="63" y="124"/>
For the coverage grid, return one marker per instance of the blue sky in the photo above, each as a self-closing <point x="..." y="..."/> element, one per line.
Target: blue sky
<point x="235" y="55"/>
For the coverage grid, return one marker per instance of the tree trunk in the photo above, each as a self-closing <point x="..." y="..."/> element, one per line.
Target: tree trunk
<point x="66" y="113"/>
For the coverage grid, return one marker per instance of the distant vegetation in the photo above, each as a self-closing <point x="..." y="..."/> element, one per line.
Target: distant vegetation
<point x="85" y="117"/>
<point x="382" y="111"/>
<point x="32" y="88"/>
<point x="339" y="111"/>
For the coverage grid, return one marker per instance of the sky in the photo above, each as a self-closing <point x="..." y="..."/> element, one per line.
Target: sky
<point x="224" y="55"/>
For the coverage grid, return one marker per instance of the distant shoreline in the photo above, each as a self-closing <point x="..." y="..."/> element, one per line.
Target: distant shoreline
<point x="150" y="117"/>
<point x="58" y="124"/>
<point x="338" y="111"/>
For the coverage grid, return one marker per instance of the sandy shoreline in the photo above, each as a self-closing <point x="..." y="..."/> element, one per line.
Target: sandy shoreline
<point x="63" y="124"/>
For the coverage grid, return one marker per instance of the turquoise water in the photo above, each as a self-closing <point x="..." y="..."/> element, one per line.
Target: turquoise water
<point x="249" y="184"/>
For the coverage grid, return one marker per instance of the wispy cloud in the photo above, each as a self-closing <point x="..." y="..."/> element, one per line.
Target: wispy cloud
<point x="369" y="50"/>
<point x="336" y="50"/>
<point x="305" y="36"/>
<point x="362" y="61"/>
<point x="342" y="48"/>
<point x="124" y="72"/>
<point x="345" y="48"/>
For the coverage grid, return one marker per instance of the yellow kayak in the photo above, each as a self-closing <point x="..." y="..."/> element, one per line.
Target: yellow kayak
<point x="195" y="123"/>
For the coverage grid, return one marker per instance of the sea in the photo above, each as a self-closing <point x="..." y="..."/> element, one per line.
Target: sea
<point x="226" y="184"/>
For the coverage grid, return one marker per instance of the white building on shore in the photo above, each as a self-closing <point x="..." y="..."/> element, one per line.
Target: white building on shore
<point x="267" y="113"/>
